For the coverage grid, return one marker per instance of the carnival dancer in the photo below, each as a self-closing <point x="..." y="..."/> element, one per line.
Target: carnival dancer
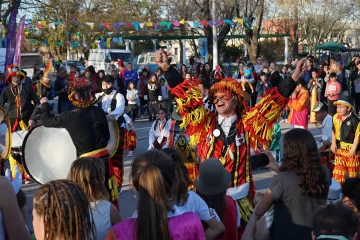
<point x="113" y="104"/>
<point x="345" y="140"/>
<point x="159" y="131"/>
<point x="229" y="134"/>
<point x="87" y="126"/>
<point x="21" y="99"/>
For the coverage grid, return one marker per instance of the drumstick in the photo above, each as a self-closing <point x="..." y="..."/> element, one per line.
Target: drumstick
<point x="96" y="100"/>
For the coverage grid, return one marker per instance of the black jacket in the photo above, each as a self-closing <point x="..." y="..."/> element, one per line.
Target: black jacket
<point x="28" y="97"/>
<point x="88" y="127"/>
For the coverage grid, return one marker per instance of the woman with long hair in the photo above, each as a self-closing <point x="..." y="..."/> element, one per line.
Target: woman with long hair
<point x="89" y="174"/>
<point x="156" y="218"/>
<point x="154" y="91"/>
<point x="206" y="71"/>
<point x="183" y="70"/>
<point x="61" y="211"/>
<point x="199" y="69"/>
<point x="298" y="190"/>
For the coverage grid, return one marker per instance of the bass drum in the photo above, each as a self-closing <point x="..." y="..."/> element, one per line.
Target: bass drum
<point x="5" y="139"/>
<point x="48" y="154"/>
<point x="114" y="137"/>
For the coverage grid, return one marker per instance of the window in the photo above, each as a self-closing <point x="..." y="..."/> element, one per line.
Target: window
<point x="141" y="59"/>
<point x="125" y="57"/>
<point x="30" y="61"/>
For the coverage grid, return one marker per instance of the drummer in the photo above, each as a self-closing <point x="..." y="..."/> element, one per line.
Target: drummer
<point x="87" y="126"/>
<point x="322" y="115"/>
<point x="113" y="104"/>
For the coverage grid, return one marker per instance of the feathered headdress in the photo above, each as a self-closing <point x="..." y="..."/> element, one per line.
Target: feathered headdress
<point x="13" y="70"/>
<point x="76" y="86"/>
<point x="45" y="81"/>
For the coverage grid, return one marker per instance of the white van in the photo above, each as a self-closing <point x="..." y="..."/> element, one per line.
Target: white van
<point x="28" y="61"/>
<point x="149" y="59"/>
<point x="101" y="58"/>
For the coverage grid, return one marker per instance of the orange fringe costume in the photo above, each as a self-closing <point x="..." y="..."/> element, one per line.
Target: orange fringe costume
<point x="343" y="163"/>
<point x="252" y="129"/>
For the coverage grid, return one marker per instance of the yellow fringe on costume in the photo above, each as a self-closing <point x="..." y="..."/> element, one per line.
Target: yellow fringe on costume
<point x="245" y="208"/>
<point x="114" y="186"/>
<point x="259" y="120"/>
<point x="345" y="164"/>
<point x="13" y="163"/>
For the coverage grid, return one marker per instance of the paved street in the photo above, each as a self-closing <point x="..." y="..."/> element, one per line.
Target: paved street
<point x="127" y="197"/>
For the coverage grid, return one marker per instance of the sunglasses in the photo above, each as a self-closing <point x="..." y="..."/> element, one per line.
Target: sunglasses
<point x="224" y="98"/>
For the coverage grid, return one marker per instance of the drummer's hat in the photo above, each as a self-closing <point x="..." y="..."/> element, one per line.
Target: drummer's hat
<point x="320" y="107"/>
<point x="14" y="70"/>
<point x="344" y="100"/>
<point x="108" y="78"/>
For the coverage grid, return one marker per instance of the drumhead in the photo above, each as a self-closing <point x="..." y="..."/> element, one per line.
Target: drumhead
<point x="114" y="137"/>
<point x="48" y="154"/>
<point x="5" y="135"/>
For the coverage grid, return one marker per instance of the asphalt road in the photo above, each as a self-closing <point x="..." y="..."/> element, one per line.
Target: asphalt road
<point x="127" y="198"/>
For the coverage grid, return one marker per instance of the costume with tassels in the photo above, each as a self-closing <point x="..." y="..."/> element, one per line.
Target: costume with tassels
<point x="247" y="128"/>
<point x="43" y="87"/>
<point x="346" y="132"/>
<point x="20" y="99"/>
<point x="88" y="128"/>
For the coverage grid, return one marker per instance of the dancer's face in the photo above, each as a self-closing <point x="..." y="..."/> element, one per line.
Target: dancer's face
<point x="225" y="104"/>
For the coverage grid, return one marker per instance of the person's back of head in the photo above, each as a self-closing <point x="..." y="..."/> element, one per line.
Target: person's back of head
<point x="335" y="221"/>
<point x="301" y="157"/>
<point x="89" y="174"/>
<point x="182" y="180"/>
<point x="61" y="211"/>
<point x="152" y="175"/>
<point x="351" y="193"/>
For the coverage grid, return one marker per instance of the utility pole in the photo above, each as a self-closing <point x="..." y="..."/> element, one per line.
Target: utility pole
<point x="215" y="38"/>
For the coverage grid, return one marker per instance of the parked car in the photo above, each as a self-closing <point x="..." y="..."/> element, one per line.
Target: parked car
<point x="28" y="61"/>
<point x="67" y="63"/>
<point x="101" y="58"/>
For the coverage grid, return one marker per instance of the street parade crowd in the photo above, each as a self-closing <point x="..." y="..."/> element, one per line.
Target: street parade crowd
<point x="211" y="128"/>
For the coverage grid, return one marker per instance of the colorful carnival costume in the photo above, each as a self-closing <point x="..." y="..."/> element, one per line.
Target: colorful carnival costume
<point x="346" y="133"/>
<point x="130" y="136"/>
<point x="113" y="104"/>
<point x="88" y="128"/>
<point x="246" y="128"/>
<point x="159" y="132"/>
<point x="21" y="99"/>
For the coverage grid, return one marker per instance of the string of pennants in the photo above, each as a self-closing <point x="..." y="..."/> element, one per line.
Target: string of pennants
<point x="138" y="26"/>
<point x="141" y="25"/>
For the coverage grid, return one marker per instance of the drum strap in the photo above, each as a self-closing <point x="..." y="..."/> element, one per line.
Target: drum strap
<point x="97" y="153"/>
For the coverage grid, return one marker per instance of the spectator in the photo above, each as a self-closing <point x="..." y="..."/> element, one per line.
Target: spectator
<point x="238" y="74"/>
<point x="118" y="83"/>
<point x="206" y="71"/>
<point x="189" y="200"/>
<point x="73" y="72"/>
<point x="61" y="211"/>
<point x="94" y="79"/>
<point x="274" y="75"/>
<point x="143" y="92"/>
<point x="61" y="86"/>
<point x="130" y="76"/>
<point x="164" y="94"/>
<point x="12" y="223"/>
<point x="335" y="221"/>
<point x="310" y="66"/>
<point x="133" y="98"/>
<point x="152" y="176"/>
<point x="355" y="90"/>
<point x="333" y="92"/>
<point x="36" y="72"/>
<point x="259" y="65"/>
<point x="298" y="190"/>
<point x="288" y="62"/>
<point x="204" y="87"/>
<point x="122" y="70"/>
<point x="299" y="106"/>
<point x="284" y="72"/>
<point x="262" y="86"/>
<point x="316" y="83"/>
<point x="154" y="90"/>
<point x="198" y="70"/>
<point x="100" y="76"/>
<point x="211" y="184"/>
<point x="27" y="80"/>
<point x="183" y="70"/>
<point x="89" y="174"/>
<point x="111" y="67"/>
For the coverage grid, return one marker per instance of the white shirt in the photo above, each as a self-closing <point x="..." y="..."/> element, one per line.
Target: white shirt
<point x="326" y="130"/>
<point x="101" y="215"/>
<point x="159" y="134"/>
<point x="132" y="94"/>
<point x="106" y="103"/>
<point x="226" y="123"/>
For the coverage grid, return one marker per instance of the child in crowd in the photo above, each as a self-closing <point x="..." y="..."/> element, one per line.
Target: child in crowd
<point x="262" y="86"/>
<point x="189" y="200"/>
<point x="153" y="176"/>
<point x="299" y="106"/>
<point x="61" y="211"/>
<point x="188" y="76"/>
<point x="333" y="90"/>
<point x="89" y="174"/>
<point x="335" y="221"/>
<point x="132" y="97"/>
<point x="164" y="93"/>
<point x="211" y="184"/>
<point x="247" y="78"/>
<point x="345" y="140"/>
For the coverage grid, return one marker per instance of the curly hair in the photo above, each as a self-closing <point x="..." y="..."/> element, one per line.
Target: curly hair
<point x="301" y="156"/>
<point x="65" y="210"/>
